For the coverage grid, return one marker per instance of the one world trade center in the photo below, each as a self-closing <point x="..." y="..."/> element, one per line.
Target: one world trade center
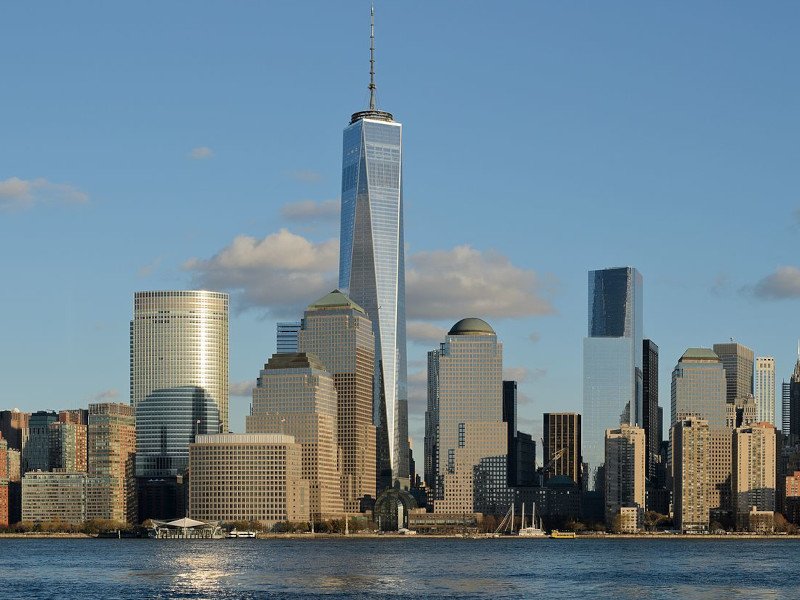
<point x="372" y="267"/>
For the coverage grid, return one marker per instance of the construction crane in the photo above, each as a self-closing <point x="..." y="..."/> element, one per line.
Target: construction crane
<point x="545" y="468"/>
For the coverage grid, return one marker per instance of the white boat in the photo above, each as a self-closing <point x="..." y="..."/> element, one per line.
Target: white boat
<point x="234" y="533"/>
<point x="533" y="530"/>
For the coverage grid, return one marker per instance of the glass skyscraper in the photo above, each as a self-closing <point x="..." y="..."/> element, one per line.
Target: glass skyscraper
<point x="612" y="360"/>
<point x="372" y="269"/>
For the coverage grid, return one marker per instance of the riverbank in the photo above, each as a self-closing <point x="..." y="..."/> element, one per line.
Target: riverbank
<point x="35" y="535"/>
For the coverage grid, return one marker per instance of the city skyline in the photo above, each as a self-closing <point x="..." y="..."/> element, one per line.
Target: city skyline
<point x="84" y="341"/>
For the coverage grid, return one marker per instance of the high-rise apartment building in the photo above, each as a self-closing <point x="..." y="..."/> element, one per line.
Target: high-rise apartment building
<point x="179" y="339"/>
<point x="650" y="419"/>
<point x="690" y="473"/>
<point x="612" y="360"/>
<point x="68" y="446"/>
<point x="112" y="448"/>
<point x="247" y="477"/>
<point x="372" y="266"/>
<point x="562" y="445"/>
<point x="288" y="336"/>
<point x="14" y="428"/>
<point x="738" y="363"/>
<point x="4" y="496"/>
<point x="337" y="331"/>
<point x="625" y="470"/>
<point x="699" y="388"/>
<point x="295" y="395"/>
<point x="765" y="389"/>
<point x="753" y="482"/>
<point x="471" y="436"/>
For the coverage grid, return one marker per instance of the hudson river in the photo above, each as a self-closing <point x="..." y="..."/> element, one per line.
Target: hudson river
<point x="401" y="568"/>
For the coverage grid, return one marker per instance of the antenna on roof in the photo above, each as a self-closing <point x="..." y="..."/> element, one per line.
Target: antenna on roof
<point x="372" y="57"/>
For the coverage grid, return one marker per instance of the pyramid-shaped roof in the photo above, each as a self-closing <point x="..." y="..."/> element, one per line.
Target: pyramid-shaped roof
<point x="336" y="299"/>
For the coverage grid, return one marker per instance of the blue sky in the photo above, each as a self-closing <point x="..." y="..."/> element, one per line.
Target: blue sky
<point x="165" y="145"/>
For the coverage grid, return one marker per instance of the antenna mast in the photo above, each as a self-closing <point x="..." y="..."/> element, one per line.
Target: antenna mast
<point x="372" y="57"/>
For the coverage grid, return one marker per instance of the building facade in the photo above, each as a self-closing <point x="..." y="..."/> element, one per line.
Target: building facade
<point x="786" y="407"/>
<point x="14" y="428"/>
<point x="699" y="388"/>
<point x="178" y="339"/>
<point x="765" y="389"/>
<point x="36" y="453"/>
<point x="295" y="395"/>
<point x="738" y="363"/>
<point x="372" y="267"/>
<point x="337" y="331"/>
<point x="690" y="474"/>
<point x="753" y="482"/>
<point x="625" y="470"/>
<point x="794" y="405"/>
<point x="288" y="336"/>
<point x="562" y="446"/>
<point x="612" y="360"/>
<point x="650" y="413"/>
<point x="247" y="477"/>
<point x="50" y="496"/>
<point x="68" y="446"/>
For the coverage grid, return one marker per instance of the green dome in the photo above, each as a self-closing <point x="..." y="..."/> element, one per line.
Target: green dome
<point x="471" y="326"/>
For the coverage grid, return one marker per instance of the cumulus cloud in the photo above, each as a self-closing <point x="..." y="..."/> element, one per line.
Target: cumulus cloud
<point x="19" y="194"/>
<point x="424" y="333"/>
<point x="782" y="284"/>
<point x="108" y="395"/>
<point x="201" y="153"/>
<point x="305" y="176"/>
<point x="463" y="282"/>
<point x="241" y="388"/>
<point x="149" y="268"/>
<point x="281" y="273"/>
<point x="309" y="211"/>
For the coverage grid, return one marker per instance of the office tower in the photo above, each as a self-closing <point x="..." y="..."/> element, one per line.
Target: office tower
<point x="179" y="339"/>
<point x="247" y="477"/>
<point x="372" y="266"/>
<point x="650" y="408"/>
<point x="562" y="445"/>
<point x="68" y="446"/>
<point x="612" y="360"/>
<point x="36" y="454"/>
<point x="510" y="418"/>
<point x="112" y="448"/>
<point x="794" y="405"/>
<point x="625" y="470"/>
<point x="48" y="496"/>
<point x="337" y="331"/>
<point x="523" y="460"/>
<point x="765" y="389"/>
<point x="295" y="395"/>
<point x="287" y="336"/>
<point x="4" y="498"/>
<point x="14" y="428"/>
<point x="690" y="473"/>
<point x="738" y="363"/>
<point x="471" y="434"/>
<point x="786" y="405"/>
<point x="432" y="422"/>
<point x="753" y="481"/>
<point x="699" y="388"/>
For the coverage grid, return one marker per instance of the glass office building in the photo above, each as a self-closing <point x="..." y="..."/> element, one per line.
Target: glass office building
<point x="372" y="269"/>
<point x="612" y="360"/>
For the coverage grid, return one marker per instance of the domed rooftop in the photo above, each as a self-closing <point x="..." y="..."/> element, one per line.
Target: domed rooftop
<point x="471" y="326"/>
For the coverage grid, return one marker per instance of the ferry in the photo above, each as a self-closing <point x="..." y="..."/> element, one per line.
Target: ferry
<point x="562" y="535"/>
<point x="234" y="533"/>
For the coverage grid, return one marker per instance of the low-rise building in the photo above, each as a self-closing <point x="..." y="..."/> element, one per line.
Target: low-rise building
<point x="48" y="496"/>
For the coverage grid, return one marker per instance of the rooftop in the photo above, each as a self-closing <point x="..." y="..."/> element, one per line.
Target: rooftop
<point x="295" y="360"/>
<point x="700" y="354"/>
<point x="336" y="299"/>
<point x="471" y="326"/>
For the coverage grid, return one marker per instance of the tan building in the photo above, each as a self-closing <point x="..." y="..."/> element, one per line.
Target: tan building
<point x="753" y="470"/>
<point x="112" y="452"/>
<point x="179" y="338"/>
<point x="296" y="396"/>
<point x="743" y="412"/>
<point x="466" y="427"/>
<point x="793" y="484"/>
<point x="4" y="504"/>
<point x="48" y="496"/>
<point x="719" y="471"/>
<point x="68" y="448"/>
<point x="337" y="331"/>
<point x="691" y="439"/>
<point x="625" y="470"/>
<point x="247" y="477"/>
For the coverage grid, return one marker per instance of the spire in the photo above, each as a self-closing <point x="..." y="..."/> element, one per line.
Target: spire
<point x="372" y="61"/>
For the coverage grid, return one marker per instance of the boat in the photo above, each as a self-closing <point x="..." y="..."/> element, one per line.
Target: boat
<point x="235" y="533"/>
<point x="562" y="535"/>
<point x="533" y="530"/>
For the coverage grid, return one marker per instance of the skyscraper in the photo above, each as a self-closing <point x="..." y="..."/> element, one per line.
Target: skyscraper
<point x="753" y="474"/>
<point x="178" y="339"/>
<point x="650" y="422"/>
<point x="337" y="331"/>
<point x="786" y="407"/>
<point x="794" y="404"/>
<point x="562" y="445"/>
<point x="765" y="389"/>
<point x="738" y="363"/>
<point x="36" y="453"/>
<point x="698" y="388"/>
<point x="612" y="359"/>
<point x="625" y="470"/>
<point x="372" y="264"/>
<point x="287" y="336"/>
<point x="690" y="473"/>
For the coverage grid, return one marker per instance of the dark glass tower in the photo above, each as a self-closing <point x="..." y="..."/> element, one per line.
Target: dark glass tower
<point x="651" y="422"/>
<point x="372" y="267"/>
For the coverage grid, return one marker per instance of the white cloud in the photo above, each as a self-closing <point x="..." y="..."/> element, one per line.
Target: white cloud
<point x="108" y="395"/>
<point x="518" y="374"/>
<point x="425" y="333"/>
<point x="281" y="273"/>
<point x="149" y="268"/>
<point x="309" y="211"/>
<point x="19" y="194"/>
<point x="242" y="388"/>
<point x="465" y="282"/>
<point x="306" y="176"/>
<point x="782" y="284"/>
<point x="201" y="153"/>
